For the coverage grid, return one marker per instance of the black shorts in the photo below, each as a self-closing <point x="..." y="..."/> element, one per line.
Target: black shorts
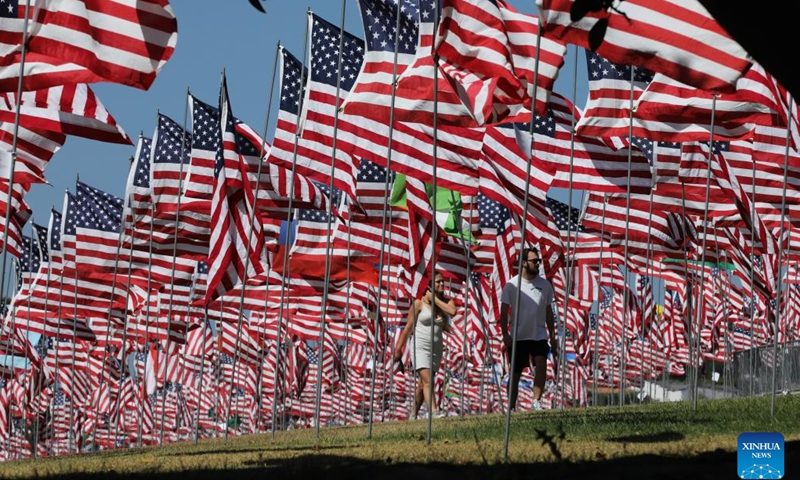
<point x="527" y="349"/>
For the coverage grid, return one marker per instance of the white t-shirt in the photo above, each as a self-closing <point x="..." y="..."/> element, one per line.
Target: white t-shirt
<point x="536" y="295"/>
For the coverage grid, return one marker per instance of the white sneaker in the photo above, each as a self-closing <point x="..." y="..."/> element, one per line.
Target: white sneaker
<point x="440" y="414"/>
<point x="537" y="405"/>
<point x="412" y="416"/>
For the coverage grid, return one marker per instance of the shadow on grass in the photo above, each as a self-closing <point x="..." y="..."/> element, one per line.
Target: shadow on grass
<point x="311" y="448"/>
<point x="712" y="465"/>
<point x="649" y="438"/>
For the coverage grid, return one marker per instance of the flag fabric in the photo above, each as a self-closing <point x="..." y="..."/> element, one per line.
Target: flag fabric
<point x="614" y="90"/>
<point x="680" y="40"/>
<point x="675" y="112"/>
<point x="35" y="148"/>
<point x="487" y="51"/>
<point x="68" y="109"/>
<point x="118" y="41"/>
<point x="236" y="242"/>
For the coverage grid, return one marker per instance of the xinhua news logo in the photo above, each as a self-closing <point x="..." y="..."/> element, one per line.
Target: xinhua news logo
<point x="761" y="455"/>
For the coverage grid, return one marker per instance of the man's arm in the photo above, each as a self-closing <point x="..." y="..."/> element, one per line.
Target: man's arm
<point x="551" y="326"/>
<point x="504" y="324"/>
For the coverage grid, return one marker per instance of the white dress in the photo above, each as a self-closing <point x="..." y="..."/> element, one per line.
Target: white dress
<point x="421" y="340"/>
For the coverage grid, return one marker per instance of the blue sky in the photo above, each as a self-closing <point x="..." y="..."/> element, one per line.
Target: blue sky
<point x="212" y="37"/>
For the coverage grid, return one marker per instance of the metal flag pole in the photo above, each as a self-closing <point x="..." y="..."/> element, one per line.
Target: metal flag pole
<point x="389" y="149"/>
<point x="17" y="115"/>
<point x="202" y="377"/>
<point x="262" y="155"/>
<point x="524" y="228"/>
<point x="328" y="241"/>
<point x="600" y="291"/>
<point x="780" y="262"/>
<point x="143" y="389"/>
<point x="284" y="273"/>
<point x="569" y="257"/>
<point x="11" y="329"/>
<point x="467" y="292"/>
<point x="110" y="335"/>
<point x="626" y="288"/>
<point x="125" y="328"/>
<point x="701" y="309"/>
<point x="56" y="342"/>
<point x="174" y="262"/>
<point x="650" y="259"/>
<point x="261" y="162"/>
<point x="35" y="446"/>
<point x="750" y="352"/>
<point x="435" y="227"/>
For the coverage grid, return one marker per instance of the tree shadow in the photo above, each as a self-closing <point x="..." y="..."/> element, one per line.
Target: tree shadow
<point x="711" y="465"/>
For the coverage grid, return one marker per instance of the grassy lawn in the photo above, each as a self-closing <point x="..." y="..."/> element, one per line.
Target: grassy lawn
<point x="668" y="440"/>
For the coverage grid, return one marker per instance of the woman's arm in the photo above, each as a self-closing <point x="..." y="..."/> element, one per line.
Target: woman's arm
<point x="401" y="342"/>
<point x="448" y="307"/>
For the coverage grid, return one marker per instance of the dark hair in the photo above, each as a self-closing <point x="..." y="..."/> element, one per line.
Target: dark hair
<point x="528" y="250"/>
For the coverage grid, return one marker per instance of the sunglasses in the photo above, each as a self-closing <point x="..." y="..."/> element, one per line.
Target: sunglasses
<point x="535" y="260"/>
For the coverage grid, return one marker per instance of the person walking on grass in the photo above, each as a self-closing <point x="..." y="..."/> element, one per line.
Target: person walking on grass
<point x="534" y="323"/>
<point x="426" y="346"/>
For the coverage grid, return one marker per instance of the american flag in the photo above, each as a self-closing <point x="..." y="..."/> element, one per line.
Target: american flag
<point x="66" y="109"/>
<point x="320" y="106"/>
<point x="41" y="71"/>
<point x="486" y="51"/>
<point x="608" y="109"/>
<point x="582" y="162"/>
<point x="35" y="148"/>
<point x="27" y="265"/>
<point x="695" y="164"/>
<point x="90" y="296"/>
<point x="369" y="103"/>
<point x="676" y="112"/>
<point x="116" y="41"/>
<point x="237" y="244"/>
<point x="205" y="143"/>
<point x="170" y="158"/>
<point x="681" y="41"/>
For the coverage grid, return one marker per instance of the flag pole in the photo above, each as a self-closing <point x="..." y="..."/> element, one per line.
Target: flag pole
<point x="780" y="266"/>
<point x="466" y="314"/>
<point x="569" y="257"/>
<point x="35" y="445"/>
<point x="143" y="390"/>
<point x="17" y="118"/>
<point x="389" y="149"/>
<point x="600" y="292"/>
<point x="268" y="115"/>
<point x="524" y="228"/>
<point x="174" y="263"/>
<point x="125" y="328"/>
<point x="55" y="340"/>
<point x="750" y="352"/>
<point x="435" y="229"/>
<point x="701" y="309"/>
<point x="650" y="261"/>
<point x="626" y="288"/>
<point x="261" y="161"/>
<point x="286" y="258"/>
<point x="328" y="241"/>
<point x="109" y="332"/>
<point x="202" y="376"/>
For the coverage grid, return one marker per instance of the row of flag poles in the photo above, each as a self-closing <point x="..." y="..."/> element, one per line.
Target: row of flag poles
<point x="241" y="287"/>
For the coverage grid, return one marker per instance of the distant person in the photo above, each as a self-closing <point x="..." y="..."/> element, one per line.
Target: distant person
<point x="534" y="322"/>
<point x="426" y="350"/>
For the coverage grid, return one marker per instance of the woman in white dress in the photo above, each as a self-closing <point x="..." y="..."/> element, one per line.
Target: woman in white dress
<point x="426" y="346"/>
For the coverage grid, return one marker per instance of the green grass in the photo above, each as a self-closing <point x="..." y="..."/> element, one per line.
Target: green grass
<point x="581" y="439"/>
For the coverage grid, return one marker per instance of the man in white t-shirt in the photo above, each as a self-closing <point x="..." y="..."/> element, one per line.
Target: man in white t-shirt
<point x="534" y="325"/>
